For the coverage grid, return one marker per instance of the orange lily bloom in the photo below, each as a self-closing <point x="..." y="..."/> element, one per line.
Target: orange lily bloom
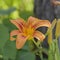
<point x="27" y="30"/>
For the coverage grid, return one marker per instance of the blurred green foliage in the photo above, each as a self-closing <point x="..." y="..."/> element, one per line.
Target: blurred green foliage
<point x="13" y="9"/>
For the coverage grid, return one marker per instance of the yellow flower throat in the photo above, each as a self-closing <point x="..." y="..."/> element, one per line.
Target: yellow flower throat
<point x="28" y="31"/>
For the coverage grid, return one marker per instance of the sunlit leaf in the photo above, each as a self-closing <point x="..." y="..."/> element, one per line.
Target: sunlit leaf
<point x="50" y="37"/>
<point x="57" y="33"/>
<point x="15" y="15"/>
<point x="8" y="2"/>
<point x="52" y="26"/>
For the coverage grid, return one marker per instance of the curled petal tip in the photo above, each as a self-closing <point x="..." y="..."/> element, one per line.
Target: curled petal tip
<point x="12" y="39"/>
<point x="13" y="33"/>
<point x="40" y="36"/>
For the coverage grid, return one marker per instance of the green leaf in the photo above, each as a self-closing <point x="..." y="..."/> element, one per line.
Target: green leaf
<point x="1" y="54"/>
<point x="8" y="24"/>
<point x="7" y="11"/>
<point x="4" y="35"/>
<point x="25" y="14"/>
<point x="9" y="50"/>
<point x="24" y="55"/>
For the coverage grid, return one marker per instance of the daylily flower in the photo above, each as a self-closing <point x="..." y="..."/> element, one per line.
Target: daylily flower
<point x="55" y="2"/>
<point x="27" y="30"/>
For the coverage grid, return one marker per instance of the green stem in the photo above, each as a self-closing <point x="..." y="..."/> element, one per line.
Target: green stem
<point x="51" y="54"/>
<point x="40" y="49"/>
<point x="41" y="56"/>
<point x="56" y="50"/>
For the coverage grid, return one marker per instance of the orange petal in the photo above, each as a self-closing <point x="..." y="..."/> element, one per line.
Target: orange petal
<point x="13" y="33"/>
<point x="21" y="39"/>
<point x="42" y="23"/>
<point x="20" y="23"/>
<point x="36" y="23"/>
<point x="32" y="21"/>
<point x="38" y="35"/>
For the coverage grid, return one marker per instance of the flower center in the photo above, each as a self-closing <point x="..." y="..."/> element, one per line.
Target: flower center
<point x="28" y="31"/>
